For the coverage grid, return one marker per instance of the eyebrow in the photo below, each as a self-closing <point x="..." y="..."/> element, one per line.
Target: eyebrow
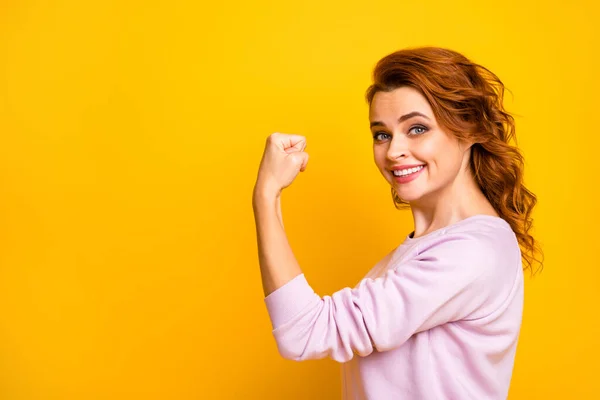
<point x="402" y="118"/>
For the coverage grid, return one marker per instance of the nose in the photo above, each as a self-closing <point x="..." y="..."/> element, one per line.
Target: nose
<point x="398" y="147"/>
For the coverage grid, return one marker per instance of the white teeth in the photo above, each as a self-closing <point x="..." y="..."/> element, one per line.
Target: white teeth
<point x="408" y="171"/>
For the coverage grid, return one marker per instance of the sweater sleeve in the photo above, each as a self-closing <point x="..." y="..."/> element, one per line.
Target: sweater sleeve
<point x="448" y="280"/>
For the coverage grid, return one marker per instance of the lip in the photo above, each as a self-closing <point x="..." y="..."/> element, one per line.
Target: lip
<point x="408" y="178"/>
<point x="400" y="167"/>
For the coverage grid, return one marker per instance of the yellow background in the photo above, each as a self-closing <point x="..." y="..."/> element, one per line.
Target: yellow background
<point x="131" y="133"/>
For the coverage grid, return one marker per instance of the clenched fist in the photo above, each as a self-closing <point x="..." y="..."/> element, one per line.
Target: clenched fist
<point x="284" y="157"/>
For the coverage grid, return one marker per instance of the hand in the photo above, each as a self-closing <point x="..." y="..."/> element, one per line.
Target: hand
<point x="284" y="157"/>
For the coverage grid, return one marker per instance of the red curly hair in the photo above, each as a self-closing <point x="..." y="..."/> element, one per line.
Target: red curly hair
<point x="467" y="99"/>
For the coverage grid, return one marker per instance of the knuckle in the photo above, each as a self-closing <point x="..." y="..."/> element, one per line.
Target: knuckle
<point x="297" y="158"/>
<point x="273" y="136"/>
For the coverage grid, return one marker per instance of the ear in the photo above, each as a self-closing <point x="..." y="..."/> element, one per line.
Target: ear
<point x="465" y="145"/>
<point x="467" y="139"/>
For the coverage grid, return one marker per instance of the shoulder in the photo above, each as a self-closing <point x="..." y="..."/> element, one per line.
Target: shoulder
<point x="482" y="251"/>
<point x="483" y="248"/>
<point x="479" y="238"/>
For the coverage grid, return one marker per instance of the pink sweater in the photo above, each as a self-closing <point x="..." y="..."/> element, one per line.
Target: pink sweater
<point x="437" y="318"/>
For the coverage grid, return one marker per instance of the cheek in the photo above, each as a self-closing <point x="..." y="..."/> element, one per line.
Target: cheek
<point x="379" y="154"/>
<point x="430" y="150"/>
<point x="442" y="157"/>
<point x="438" y="150"/>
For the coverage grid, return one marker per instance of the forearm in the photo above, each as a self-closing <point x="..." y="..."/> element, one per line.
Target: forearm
<point x="277" y="262"/>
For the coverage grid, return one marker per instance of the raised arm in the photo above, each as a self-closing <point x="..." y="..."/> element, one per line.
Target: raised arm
<point x="283" y="159"/>
<point x="452" y="280"/>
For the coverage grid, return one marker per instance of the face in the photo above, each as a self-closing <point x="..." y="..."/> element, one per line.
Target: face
<point x="413" y="153"/>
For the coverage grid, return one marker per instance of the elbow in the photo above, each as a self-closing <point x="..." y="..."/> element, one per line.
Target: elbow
<point x="299" y="351"/>
<point x="291" y="355"/>
<point x="292" y="351"/>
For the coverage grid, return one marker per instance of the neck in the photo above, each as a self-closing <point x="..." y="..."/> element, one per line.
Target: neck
<point x="461" y="199"/>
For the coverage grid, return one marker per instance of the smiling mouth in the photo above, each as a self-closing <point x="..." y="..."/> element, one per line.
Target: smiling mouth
<point x="407" y="172"/>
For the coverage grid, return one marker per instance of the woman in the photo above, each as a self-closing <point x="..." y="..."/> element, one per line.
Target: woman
<point x="439" y="316"/>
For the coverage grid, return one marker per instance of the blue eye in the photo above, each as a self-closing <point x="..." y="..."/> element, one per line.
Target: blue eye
<point x="419" y="130"/>
<point x="377" y="135"/>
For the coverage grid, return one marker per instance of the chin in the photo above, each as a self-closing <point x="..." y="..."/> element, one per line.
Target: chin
<point x="410" y="195"/>
<point x="409" y="199"/>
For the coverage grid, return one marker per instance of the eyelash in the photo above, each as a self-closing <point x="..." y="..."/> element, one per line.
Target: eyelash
<point x="424" y="128"/>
